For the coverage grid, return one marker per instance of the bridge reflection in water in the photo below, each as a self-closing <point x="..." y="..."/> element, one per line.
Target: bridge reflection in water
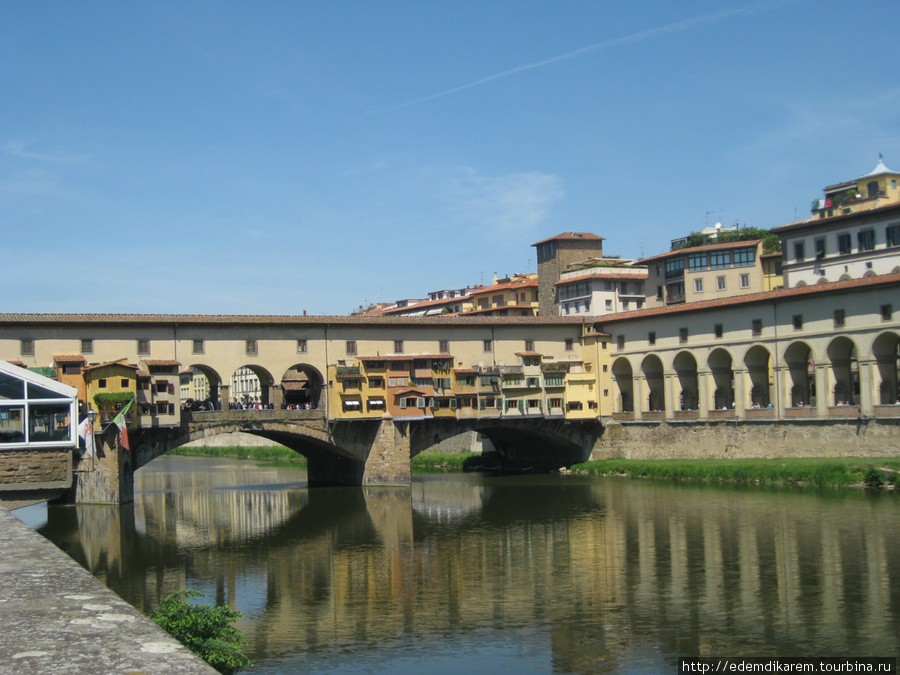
<point x="587" y="574"/>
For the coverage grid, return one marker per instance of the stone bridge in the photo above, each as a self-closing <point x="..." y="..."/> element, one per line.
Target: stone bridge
<point x="367" y="452"/>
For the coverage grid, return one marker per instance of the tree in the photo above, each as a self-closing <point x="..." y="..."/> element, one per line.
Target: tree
<point x="204" y="629"/>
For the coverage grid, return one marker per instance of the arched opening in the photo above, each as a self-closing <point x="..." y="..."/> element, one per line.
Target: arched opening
<point x="686" y="369"/>
<point x="720" y="363"/>
<point x="624" y="379"/>
<point x="251" y="387"/>
<point x="844" y="358"/>
<point x="302" y="388"/>
<point x="886" y="350"/>
<point x="653" y="372"/>
<point x="799" y="360"/>
<point x="759" y="369"/>
<point x="800" y="284"/>
<point x="200" y="388"/>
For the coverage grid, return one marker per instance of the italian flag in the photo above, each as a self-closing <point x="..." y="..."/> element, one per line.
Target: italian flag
<point x="119" y="421"/>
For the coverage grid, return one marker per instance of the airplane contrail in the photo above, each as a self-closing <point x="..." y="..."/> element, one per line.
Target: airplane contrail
<point x="684" y="24"/>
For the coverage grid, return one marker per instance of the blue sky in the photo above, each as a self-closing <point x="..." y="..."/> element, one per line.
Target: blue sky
<point x="275" y="157"/>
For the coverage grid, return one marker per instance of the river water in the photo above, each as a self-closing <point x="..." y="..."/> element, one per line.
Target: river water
<point x="525" y="574"/>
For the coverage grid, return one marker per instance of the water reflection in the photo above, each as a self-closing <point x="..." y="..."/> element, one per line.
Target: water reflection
<point x="550" y="573"/>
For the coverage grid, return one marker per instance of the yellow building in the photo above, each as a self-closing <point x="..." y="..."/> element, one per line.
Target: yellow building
<point x="511" y="296"/>
<point x="109" y="387"/>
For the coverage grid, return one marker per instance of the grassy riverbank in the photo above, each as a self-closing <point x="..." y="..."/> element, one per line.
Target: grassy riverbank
<point x="426" y="462"/>
<point x="442" y="462"/>
<point x="265" y="453"/>
<point x="845" y="472"/>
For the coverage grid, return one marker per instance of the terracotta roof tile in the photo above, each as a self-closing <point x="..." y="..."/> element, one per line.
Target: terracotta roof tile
<point x="752" y="298"/>
<point x="461" y="319"/>
<point x="161" y="362"/>
<point x="404" y="357"/>
<point x="571" y="236"/>
<point x="69" y="358"/>
<point x="602" y="275"/>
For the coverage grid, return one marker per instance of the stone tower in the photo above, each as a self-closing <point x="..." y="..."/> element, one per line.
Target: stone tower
<point x="553" y="255"/>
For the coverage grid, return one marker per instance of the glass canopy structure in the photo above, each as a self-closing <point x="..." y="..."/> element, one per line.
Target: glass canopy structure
<point x="35" y="411"/>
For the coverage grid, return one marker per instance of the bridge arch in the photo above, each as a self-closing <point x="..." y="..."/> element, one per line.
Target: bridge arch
<point x="251" y="384"/>
<point x="302" y="386"/>
<point x="205" y="385"/>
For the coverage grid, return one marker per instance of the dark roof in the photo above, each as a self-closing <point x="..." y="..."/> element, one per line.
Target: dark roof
<point x="706" y="247"/>
<point x="752" y="298"/>
<point x="840" y="218"/>
<point x="571" y="236"/>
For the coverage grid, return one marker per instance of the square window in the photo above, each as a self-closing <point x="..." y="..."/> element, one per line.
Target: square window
<point x="839" y="318"/>
<point x="682" y="335"/>
<point x="26" y="347"/>
<point x="529" y="345"/>
<point x="745" y="281"/>
<point x="488" y="345"/>
<point x="569" y="344"/>
<point x="87" y="346"/>
<point x="757" y="326"/>
<point x="101" y="383"/>
<point x="659" y="293"/>
<point x="302" y="346"/>
<point x="620" y="341"/>
<point x="252" y="348"/>
<point x="845" y="244"/>
<point x="798" y="321"/>
<point x="143" y="346"/>
<point x="720" y="283"/>
<point x="197" y="346"/>
<point x="698" y="285"/>
<point x="887" y="312"/>
<point x="609" y="305"/>
<point x="892" y="235"/>
<point x="444" y="346"/>
<point x="651" y="337"/>
<point x="718" y="330"/>
<point x="799" y="252"/>
<point x="820" y="248"/>
<point x="866" y="240"/>
<point x="398" y="346"/>
<point x="124" y="383"/>
<point x="350" y="347"/>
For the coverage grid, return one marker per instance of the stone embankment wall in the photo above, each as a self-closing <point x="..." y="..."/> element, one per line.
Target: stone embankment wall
<point x="57" y="618"/>
<point x="750" y="440"/>
<point x="19" y="467"/>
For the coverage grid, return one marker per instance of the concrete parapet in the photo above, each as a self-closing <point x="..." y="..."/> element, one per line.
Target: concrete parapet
<point x="57" y="618"/>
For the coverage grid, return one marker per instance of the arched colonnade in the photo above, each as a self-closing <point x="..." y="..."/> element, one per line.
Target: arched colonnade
<point x="825" y="376"/>
<point x="298" y="385"/>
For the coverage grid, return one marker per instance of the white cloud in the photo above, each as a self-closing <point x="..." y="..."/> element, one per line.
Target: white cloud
<point x="518" y="202"/>
<point x="20" y="149"/>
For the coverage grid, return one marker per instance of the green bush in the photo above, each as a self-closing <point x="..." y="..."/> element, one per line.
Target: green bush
<point x="873" y="478"/>
<point x="203" y="629"/>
